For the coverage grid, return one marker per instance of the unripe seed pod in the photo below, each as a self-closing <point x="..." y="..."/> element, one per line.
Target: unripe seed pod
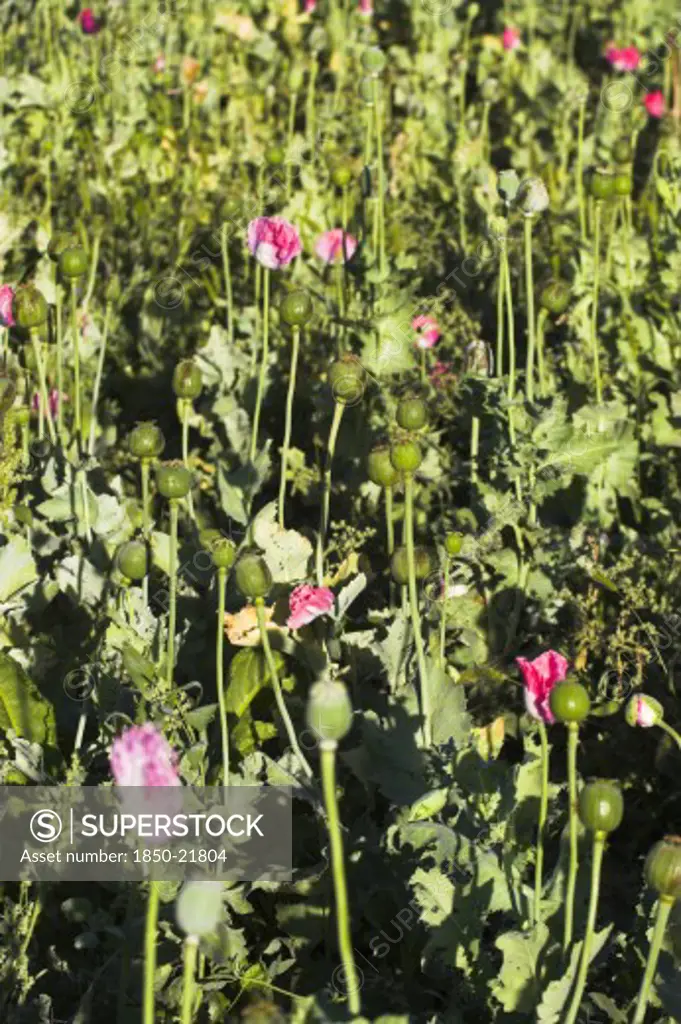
<point x="252" y="574"/>
<point x="373" y="60"/>
<point x="296" y="308"/>
<point x="275" y="156"/>
<point x="223" y="553"/>
<point x="412" y="413"/>
<point x="663" y="867"/>
<point x="622" y="151"/>
<point x="406" y="455"/>
<point x="601" y="806"/>
<point x="187" y="380"/>
<point x="30" y="306"/>
<point x="453" y="543"/>
<point x="132" y="560"/>
<point x="346" y="377"/>
<point x="622" y="184"/>
<point x="399" y="564"/>
<point x="555" y="296"/>
<point x="380" y="469"/>
<point x="601" y="184"/>
<point x="73" y="262"/>
<point x="198" y="908"/>
<point x="569" y="701"/>
<point x="173" y="480"/>
<point x="341" y="175"/>
<point x="329" y="711"/>
<point x="146" y="441"/>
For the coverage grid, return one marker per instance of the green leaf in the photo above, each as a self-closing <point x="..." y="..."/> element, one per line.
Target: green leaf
<point x="516" y="987"/>
<point x="248" y="675"/>
<point x="22" y="706"/>
<point x="449" y="718"/>
<point x="141" y="670"/>
<point x="17" y="568"/>
<point x="556" y="994"/>
<point x="287" y="552"/>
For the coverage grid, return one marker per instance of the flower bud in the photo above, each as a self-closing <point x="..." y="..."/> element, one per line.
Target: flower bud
<point x="329" y="711"/>
<point x="252" y="574"/>
<point x="601" y="806"/>
<point x="198" y="908"/>
<point x="644" y="711"/>
<point x="479" y="359"/>
<point x="663" y="867"/>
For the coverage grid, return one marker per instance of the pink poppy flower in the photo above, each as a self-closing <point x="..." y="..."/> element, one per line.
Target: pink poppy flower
<point x="6" y="304"/>
<point x="654" y="103"/>
<point x="310" y="5"/>
<point x="159" y="64"/>
<point x="308" y="603"/>
<point x="540" y="676"/>
<point x="646" y="715"/>
<point x="142" y="756"/>
<point x="88" y="23"/>
<point x="332" y="246"/>
<point x="365" y="7"/>
<point x="53" y="399"/>
<point x="510" y="39"/>
<point x="627" y="58"/>
<point x="427" y="329"/>
<point x="273" y="241"/>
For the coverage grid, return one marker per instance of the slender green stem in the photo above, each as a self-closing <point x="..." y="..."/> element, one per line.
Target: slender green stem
<point x="598" y="847"/>
<point x="60" y="361"/>
<point x="146" y="512"/>
<point x="389" y="526"/>
<point x="153" y="901"/>
<point x="664" y="907"/>
<point x="44" y="399"/>
<point x="475" y="443"/>
<point x="227" y="274"/>
<point x="671" y="732"/>
<point x="276" y="686"/>
<point x="501" y="282"/>
<point x="172" y="572"/>
<point x="289" y="140"/>
<point x="186" y="407"/>
<point x="191" y="945"/>
<point x="573" y="739"/>
<point x="220" y="674"/>
<point x="98" y="379"/>
<point x="443" y="613"/>
<point x="264" y="355"/>
<point x="511" y="358"/>
<point x="378" y="113"/>
<point x="93" y="270"/>
<point x="350" y="975"/>
<point x="541" y="823"/>
<point x="414" y="606"/>
<point x="594" y="308"/>
<point x="76" y="362"/>
<point x="541" y="320"/>
<point x="289" y="422"/>
<point x="529" y="297"/>
<point x="580" y="171"/>
<point x="338" y="411"/>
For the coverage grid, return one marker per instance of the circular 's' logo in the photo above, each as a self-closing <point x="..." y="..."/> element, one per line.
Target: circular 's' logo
<point x="46" y="826"/>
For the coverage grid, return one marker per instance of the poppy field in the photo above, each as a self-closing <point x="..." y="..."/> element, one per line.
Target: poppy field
<point x="340" y="420"/>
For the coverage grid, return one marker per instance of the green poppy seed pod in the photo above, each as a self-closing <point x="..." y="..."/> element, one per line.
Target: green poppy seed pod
<point x="644" y="711"/>
<point x="366" y="92"/>
<point x="296" y="308"/>
<point x="252" y="574"/>
<point x="296" y="78"/>
<point x="622" y="184"/>
<point x="341" y="175"/>
<point x="132" y="560"/>
<point x="187" y="380"/>
<point x="453" y="543"/>
<point x="406" y="455"/>
<point x="329" y="711"/>
<point x="601" y="806"/>
<point x="622" y="151"/>
<point x="373" y="60"/>
<point x="146" y="441"/>
<point x="73" y="262"/>
<point x="347" y="380"/>
<point x="173" y="480"/>
<point x="533" y="197"/>
<point x="380" y="469"/>
<point x="569" y="701"/>
<point x="399" y="564"/>
<point x="411" y="413"/>
<point x="601" y="183"/>
<point x="23" y="416"/>
<point x="223" y="553"/>
<point x="274" y="156"/>
<point x="555" y="296"/>
<point x="662" y="868"/>
<point x="30" y="307"/>
<point x="198" y="908"/>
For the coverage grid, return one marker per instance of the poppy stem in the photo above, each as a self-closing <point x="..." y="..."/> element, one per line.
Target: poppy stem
<point x="573" y="739"/>
<point x="220" y="674"/>
<point x="263" y="363"/>
<point x="339" y="408"/>
<point x="289" y="421"/>
<point x="598" y="848"/>
<point x="541" y="823"/>
<point x="414" y="606"/>
<point x="664" y="907"/>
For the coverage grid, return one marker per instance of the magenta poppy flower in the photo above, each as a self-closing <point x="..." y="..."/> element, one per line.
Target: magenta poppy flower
<point x="427" y="330"/>
<point x="365" y="7"/>
<point x="88" y="23"/>
<point x="510" y="38"/>
<point x="142" y="756"/>
<point x="273" y="241"/>
<point x="308" y="603"/>
<point x="331" y="246"/>
<point x="159" y="64"/>
<point x="310" y="6"/>
<point x="627" y="58"/>
<point x="654" y="103"/>
<point x="540" y="676"/>
<point x="6" y="304"/>
<point x="53" y="399"/>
